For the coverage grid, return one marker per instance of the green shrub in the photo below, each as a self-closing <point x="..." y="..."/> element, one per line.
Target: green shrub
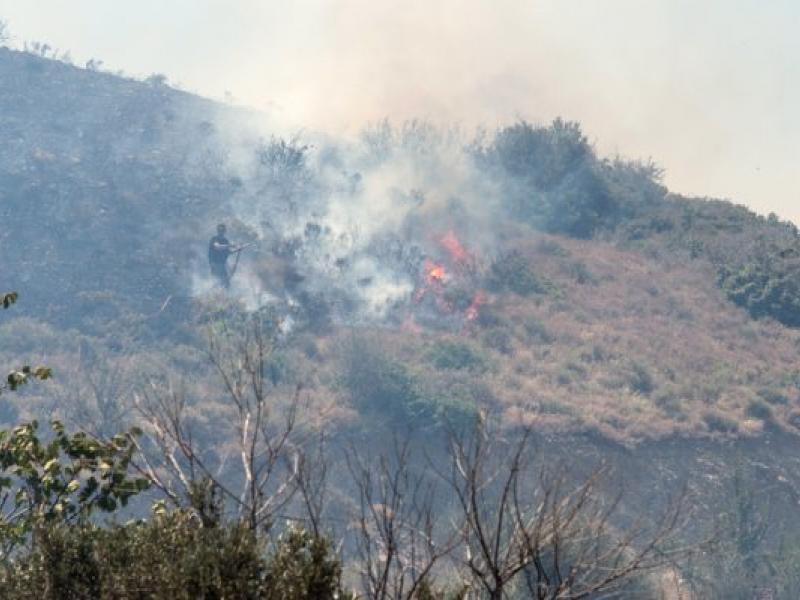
<point x="578" y="271"/>
<point x="758" y="409"/>
<point x="378" y="384"/>
<point x="514" y="272"/>
<point x="641" y="380"/>
<point x="303" y="566"/>
<point x="448" y="354"/>
<point x="718" y="422"/>
<point x="172" y="556"/>
<point x="552" y="178"/>
<point x="668" y="400"/>
<point x="766" y="287"/>
<point x="537" y="331"/>
<point x="498" y="339"/>
<point x="382" y="387"/>
<point x="773" y="396"/>
<point x="554" y="407"/>
<point x="489" y="316"/>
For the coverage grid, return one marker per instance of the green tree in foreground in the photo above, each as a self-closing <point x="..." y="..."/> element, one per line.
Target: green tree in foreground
<point x="60" y="478"/>
<point x="20" y="376"/>
<point x="173" y="556"/>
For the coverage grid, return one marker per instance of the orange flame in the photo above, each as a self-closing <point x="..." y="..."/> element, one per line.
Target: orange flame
<point x="478" y="300"/>
<point x="434" y="273"/>
<point x="452" y="244"/>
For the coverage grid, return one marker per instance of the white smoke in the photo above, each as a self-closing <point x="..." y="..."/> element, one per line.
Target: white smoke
<point x="360" y="217"/>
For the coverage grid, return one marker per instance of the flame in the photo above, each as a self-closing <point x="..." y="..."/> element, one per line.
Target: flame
<point x="434" y="272"/>
<point x="437" y="273"/>
<point x="435" y="279"/>
<point x="478" y="300"/>
<point x="450" y="242"/>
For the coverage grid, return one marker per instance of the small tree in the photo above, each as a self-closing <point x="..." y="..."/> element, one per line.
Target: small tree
<point x="63" y="478"/>
<point x="398" y="539"/>
<point x="303" y="565"/>
<point x="267" y="448"/>
<point x="520" y="528"/>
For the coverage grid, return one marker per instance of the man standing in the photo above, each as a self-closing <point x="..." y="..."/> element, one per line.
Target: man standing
<point x="219" y="249"/>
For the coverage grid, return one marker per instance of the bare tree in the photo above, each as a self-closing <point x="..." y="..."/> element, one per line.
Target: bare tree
<point x="312" y="480"/>
<point x="255" y="465"/>
<point x="523" y="527"/>
<point x="96" y="395"/>
<point x="398" y="540"/>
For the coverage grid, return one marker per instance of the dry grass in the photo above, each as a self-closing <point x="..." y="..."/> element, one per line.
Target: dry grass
<point x="637" y="351"/>
<point x="626" y="347"/>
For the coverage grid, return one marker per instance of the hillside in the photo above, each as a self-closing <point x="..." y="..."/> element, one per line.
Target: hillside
<point x="578" y="294"/>
<point x="398" y="289"/>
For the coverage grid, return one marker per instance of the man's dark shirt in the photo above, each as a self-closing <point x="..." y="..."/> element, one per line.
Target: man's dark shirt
<point x="218" y="256"/>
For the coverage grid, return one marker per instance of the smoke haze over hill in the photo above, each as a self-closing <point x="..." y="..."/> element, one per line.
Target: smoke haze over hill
<point x="707" y="91"/>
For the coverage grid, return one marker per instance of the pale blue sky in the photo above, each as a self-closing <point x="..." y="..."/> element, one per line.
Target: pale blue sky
<point x="709" y="89"/>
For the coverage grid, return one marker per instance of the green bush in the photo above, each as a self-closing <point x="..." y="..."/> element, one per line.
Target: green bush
<point x="172" y="556"/>
<point x="552" y="178"/>
<point x="301" y="567"/>
<point x="498" y="338"/>
<point x="514" y="272"/>
<point x="773" y="396"/>
<point x="641" y="380"/>
<point x="537" y="331"/>
<point x="384" y="388"/>
<point x="376" y="383"/>
<point x="765" y="287"/>
<point x="758" y="409"/>
<point x="719" y="423"/>
<point x="450" y="354"/>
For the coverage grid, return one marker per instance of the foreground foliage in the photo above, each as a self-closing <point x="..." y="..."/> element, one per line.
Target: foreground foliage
<point x="172" y="556"/>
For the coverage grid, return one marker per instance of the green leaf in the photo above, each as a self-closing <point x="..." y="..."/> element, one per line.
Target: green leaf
<point x="9" y="298"/>
<point x="42" y="373"/>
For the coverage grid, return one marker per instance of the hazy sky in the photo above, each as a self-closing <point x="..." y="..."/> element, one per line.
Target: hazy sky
<point x="709" y="89"/>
